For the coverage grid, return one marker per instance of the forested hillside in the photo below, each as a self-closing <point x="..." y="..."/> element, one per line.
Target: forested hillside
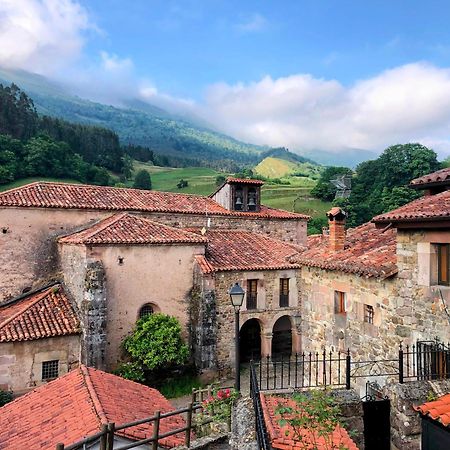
<point x="31" y="145"/>
<point x="183" y="143"/>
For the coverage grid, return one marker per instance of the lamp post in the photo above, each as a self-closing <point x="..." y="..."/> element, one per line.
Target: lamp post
<point x="237" y="297"/>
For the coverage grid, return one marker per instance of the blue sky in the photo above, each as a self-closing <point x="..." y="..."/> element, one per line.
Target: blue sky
<point x="184" y="46"/>
<point x="329" y="75"/>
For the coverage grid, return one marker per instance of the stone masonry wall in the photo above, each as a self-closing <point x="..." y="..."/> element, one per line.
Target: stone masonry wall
<point x="21" y="362"/>
<point x="267" y="313"/>
<point x="405" y="422"/>
<point x="323" y="328"/>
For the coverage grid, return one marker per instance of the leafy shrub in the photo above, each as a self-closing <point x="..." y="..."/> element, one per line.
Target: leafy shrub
<point x="156" y="342"/>
<point x="131" y="371"/>
<point x="219" y="405"/>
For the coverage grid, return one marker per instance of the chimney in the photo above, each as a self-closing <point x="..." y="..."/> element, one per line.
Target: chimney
<point x="336" y="222"/>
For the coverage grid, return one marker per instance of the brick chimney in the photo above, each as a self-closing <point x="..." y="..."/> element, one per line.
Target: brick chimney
<point x="336" y="222"/>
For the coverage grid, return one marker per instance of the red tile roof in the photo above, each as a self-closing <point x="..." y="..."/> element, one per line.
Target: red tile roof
<point x="129" y="229"/>
<point x="432" y="178"/>
<point x="438" y="410"/>
<point x="245" y="181"/>
<point x="79" y="196"/>
<point x="284" y="437"/>
<point x="368" y="252"/>
<point x="428" y="208"/>
<point x="43" y="314"/>
<point x="76" y="405"/>
<point x="243" y="250"/>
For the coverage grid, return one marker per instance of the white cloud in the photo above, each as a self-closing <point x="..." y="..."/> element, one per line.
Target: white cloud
<point x="112" y="63"/>
<point x="256" y="22"/>
<point x="408" y="103"/>
<point x="41" y="35"/>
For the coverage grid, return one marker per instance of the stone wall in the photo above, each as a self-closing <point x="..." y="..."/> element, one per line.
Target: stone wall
<point x="405" y="422"/>
<point x="420" y="307"/>
<point x="28" y="239"/>
<point x="21" y="362"/>
<point x="267" y="313"/>
<point x="322" y="327"/>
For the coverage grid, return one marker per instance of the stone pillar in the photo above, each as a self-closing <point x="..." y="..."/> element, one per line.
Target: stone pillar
<point x="93" y="316"/>
<point x="296" y="341"/>
<point x="266" y="344"/>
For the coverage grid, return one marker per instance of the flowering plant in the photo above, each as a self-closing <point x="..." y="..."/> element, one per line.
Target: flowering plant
<point x="219" y="405"/>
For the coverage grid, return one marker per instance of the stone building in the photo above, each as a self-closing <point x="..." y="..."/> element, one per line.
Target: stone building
<point x="39" y="338"/>
<point x="123" y="253"/>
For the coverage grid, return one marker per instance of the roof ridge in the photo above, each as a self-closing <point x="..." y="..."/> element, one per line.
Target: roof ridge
<point x="93" y="394"/>
<point x="39" y="297"/>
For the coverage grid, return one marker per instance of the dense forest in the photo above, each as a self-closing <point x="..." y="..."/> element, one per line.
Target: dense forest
<point x="378" y="185"/>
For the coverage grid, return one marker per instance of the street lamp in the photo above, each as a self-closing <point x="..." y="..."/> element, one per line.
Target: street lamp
<point x="237" y="297"/>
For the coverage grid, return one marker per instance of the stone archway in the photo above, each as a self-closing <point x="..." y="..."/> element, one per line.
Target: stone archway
<point x="250" y="340"/>
<point x="282" y="337"/>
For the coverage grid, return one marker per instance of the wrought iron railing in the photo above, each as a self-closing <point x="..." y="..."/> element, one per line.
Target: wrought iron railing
<point x="260" y="424"/>
<point x="428" y="360"/>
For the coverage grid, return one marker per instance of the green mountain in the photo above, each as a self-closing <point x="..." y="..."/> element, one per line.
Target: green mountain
<point x="141" y="124"/>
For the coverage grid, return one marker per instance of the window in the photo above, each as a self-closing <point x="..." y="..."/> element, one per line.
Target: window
<point x="252" y="294"/>
<point x="339" y="302"/>
<point x="368" y="314"/>
<point x="50" y="370"/>
<point x="146" y="310"/>
<point x="443" y="264"/>
<point x="284" y="292"/>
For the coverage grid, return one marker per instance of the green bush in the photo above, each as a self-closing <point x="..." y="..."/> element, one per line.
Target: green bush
<point x="142" y="180"/>
<point x="5" y="397"/>
<point x="156" y="343"/>
<point x="131" y="371"/>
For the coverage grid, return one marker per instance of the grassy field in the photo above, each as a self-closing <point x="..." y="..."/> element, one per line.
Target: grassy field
<point x="271" y="167"/>
<point x="202" y="180"/>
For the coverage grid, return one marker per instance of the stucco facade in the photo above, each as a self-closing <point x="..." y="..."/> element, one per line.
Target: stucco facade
<point x="21" y="362"/>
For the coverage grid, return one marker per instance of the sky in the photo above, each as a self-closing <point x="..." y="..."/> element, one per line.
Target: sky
<point x="318" y="74"/>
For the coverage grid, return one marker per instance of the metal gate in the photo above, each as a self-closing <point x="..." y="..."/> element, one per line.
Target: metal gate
<point x="377" y="424"/>
<point x="433" y="360"/>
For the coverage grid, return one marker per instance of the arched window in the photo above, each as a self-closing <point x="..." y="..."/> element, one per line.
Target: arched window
<point x="146" y="310"/>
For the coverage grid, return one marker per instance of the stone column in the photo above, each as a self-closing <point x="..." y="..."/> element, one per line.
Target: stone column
<point x="296" y="341"/>
<point x="266" y="344"/>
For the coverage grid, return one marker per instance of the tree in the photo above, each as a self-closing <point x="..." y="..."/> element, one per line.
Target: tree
<point x="182" y="184"/>
<point x="142" y="180"/>
<point x="220" y="179"/>
<point x="375" y="188"/>
<point x="156" y="342"/>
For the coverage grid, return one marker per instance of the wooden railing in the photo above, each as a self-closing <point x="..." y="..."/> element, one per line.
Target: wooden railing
<point x="105" y="436"/>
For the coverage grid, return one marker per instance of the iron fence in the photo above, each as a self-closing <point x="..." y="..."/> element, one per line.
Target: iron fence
<point x="428" y="360"/>
<point x="260" y="424"/>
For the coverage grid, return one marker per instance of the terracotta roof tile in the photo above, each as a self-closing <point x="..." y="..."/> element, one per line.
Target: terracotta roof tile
<point x="431" y="178"/>
<point x="245" y="181"/>
<point x="244" y="250"/>
<point x="129" y="229"/>
<point x="430" y="207"/>
<point x="76" y="405"/>
<point x="42" y="314"/>
<point x="368" y="251"/>
<point x="438" y="410"/>
<point x="79" y="196"/>
<point x="284" y="438"/>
